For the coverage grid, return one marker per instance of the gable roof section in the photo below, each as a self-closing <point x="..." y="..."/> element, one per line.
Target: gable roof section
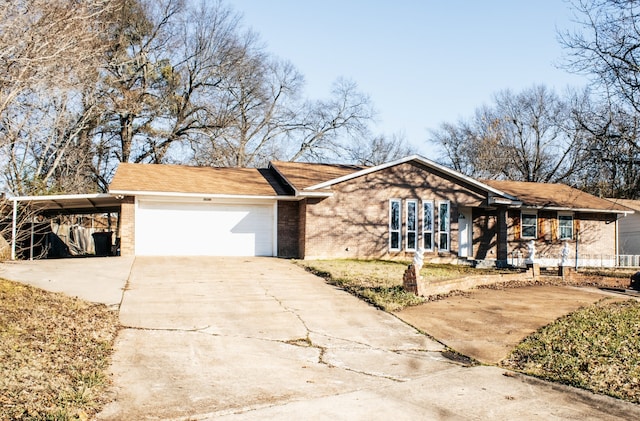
<point x="302" y="175"/>
<point x="319" y="178"/>
<point x="157" y="179"/>
<point x="556" y="197"/>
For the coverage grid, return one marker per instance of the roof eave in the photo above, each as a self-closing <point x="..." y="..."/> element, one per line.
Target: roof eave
<point x="570" y="209"/>
<point x="493" y="200"/>
<point x="314" y="194"/>
<point x="60" y="197"/>
<point x="195" y="195"/>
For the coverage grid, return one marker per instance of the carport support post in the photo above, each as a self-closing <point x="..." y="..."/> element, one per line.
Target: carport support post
<point x="14" y="229"/>
<point x="31" y="240"/>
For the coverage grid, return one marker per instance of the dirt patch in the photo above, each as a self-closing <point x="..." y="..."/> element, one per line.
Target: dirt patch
<point x="486" y="324"/>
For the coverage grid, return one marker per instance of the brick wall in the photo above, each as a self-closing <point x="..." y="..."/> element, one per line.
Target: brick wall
<point x="597" y="235"/>
<point x="288" y="229"/>
<point x="354" y="222"/>
<point x="127" y="227"/>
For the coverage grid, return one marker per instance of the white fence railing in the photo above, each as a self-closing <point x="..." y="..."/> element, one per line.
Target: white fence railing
<point x="593" y="260"/>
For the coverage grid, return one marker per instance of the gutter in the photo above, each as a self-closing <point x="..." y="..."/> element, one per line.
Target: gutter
<point x="204" y="196"/>
<point x="586" y="210"/>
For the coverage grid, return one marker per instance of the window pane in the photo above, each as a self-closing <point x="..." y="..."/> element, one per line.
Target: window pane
<point x="444" y="217"/>
<point x="395" y="215"/>
<point x="428" y="241"/>
<point x="444" y="241"/>
<point x="428" y="217"/>
<point x="529" y="232"/>
<point x="529" y="225"/>
<point x="395" y="240"/>
<point x="411" y="240"/>
<point x="565" y="222"/>
<point x="411" y="216"/>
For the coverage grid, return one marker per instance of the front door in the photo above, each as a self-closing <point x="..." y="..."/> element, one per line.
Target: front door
<point x="465" y="230"/>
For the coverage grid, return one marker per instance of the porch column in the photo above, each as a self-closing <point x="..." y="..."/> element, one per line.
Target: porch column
<point x="502" y="252"/>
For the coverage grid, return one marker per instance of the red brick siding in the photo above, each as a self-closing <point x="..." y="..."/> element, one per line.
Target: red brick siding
<point x="127" y="227"/>
<point x="288" y="229"/>
<point x="354" y="222"/>
<point x="596" y="234"/>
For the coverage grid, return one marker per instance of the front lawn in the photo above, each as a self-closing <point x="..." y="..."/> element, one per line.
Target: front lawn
<point x="595" y="348"/>
<point x="379" y="282"/>
<point x="54" y="353"/>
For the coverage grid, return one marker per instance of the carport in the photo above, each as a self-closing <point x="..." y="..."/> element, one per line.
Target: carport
<point x="51" y="206"/>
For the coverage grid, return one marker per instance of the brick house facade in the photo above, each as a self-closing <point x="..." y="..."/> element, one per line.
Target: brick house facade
<point x="311" y="211"/>
<point x="349" y="216"/>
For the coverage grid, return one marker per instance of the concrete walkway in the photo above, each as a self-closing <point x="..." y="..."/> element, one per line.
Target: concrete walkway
<point x="259" y="338"/>
<point x="95" y="279"/>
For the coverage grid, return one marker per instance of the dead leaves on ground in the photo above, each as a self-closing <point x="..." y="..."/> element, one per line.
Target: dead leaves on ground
<point x="54" y="352"/>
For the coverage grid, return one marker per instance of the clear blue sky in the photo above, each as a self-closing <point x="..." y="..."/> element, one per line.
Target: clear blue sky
<point x="422" y="62"/>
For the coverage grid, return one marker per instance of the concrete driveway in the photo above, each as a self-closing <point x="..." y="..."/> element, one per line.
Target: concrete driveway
<point x="260" y="338"/>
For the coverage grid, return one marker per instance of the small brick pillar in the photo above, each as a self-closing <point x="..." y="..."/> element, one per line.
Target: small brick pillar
<point x="567" y="272"/>
<point x="410" y="280"/>
<point x="533" y="269"/>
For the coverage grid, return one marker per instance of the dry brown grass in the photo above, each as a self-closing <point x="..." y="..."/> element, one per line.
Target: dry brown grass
<point x="379" y="282"/>
<point x="596" y="348"/>
<point x="54" y="351"/>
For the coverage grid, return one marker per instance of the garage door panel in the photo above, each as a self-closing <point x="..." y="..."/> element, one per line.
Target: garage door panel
<point x="204" y="229"/>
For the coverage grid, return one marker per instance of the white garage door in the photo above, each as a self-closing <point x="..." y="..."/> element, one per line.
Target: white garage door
<point x="204" y="229"/>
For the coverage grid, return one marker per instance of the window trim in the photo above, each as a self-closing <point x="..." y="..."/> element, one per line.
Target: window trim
<point x="572" y="216"/>
<point x="399" y="229"/>
<point x="522" y="235"/>
<point x="415" y="224"/>
<point x="447" y="228"/>
<point x="427" y="233"/>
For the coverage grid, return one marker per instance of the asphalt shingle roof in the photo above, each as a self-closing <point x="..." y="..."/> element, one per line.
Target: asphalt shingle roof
<point x="551" y="195"/>
<point x="303" y="175"/>
<point x="186" y="179"/>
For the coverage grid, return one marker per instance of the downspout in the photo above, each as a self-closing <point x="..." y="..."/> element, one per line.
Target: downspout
<point x="14" y="228"/>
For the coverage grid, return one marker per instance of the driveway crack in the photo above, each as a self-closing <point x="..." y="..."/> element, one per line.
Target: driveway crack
<point x="169" y="329"/>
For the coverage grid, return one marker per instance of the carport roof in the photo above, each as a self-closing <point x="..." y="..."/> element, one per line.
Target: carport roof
<point x="156" y="178"/>
<point x="73" y="203"/>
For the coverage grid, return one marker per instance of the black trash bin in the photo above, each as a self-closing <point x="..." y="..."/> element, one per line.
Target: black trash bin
<point x="102" y="243"/>
<point x="635" y="281"/>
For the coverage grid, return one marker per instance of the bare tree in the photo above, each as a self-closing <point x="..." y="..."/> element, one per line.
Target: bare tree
<point x="320" y="127"/>
<point x="47" y="50"/>
<point x="48" y="43"/>
<point x="87" y="84"/>
<point x="606" y="46"/>
<point x="525" y="136"/>
<point x="258" y="99"/>
<point x="377" y="150"/>
<point x="613" y="159"/>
